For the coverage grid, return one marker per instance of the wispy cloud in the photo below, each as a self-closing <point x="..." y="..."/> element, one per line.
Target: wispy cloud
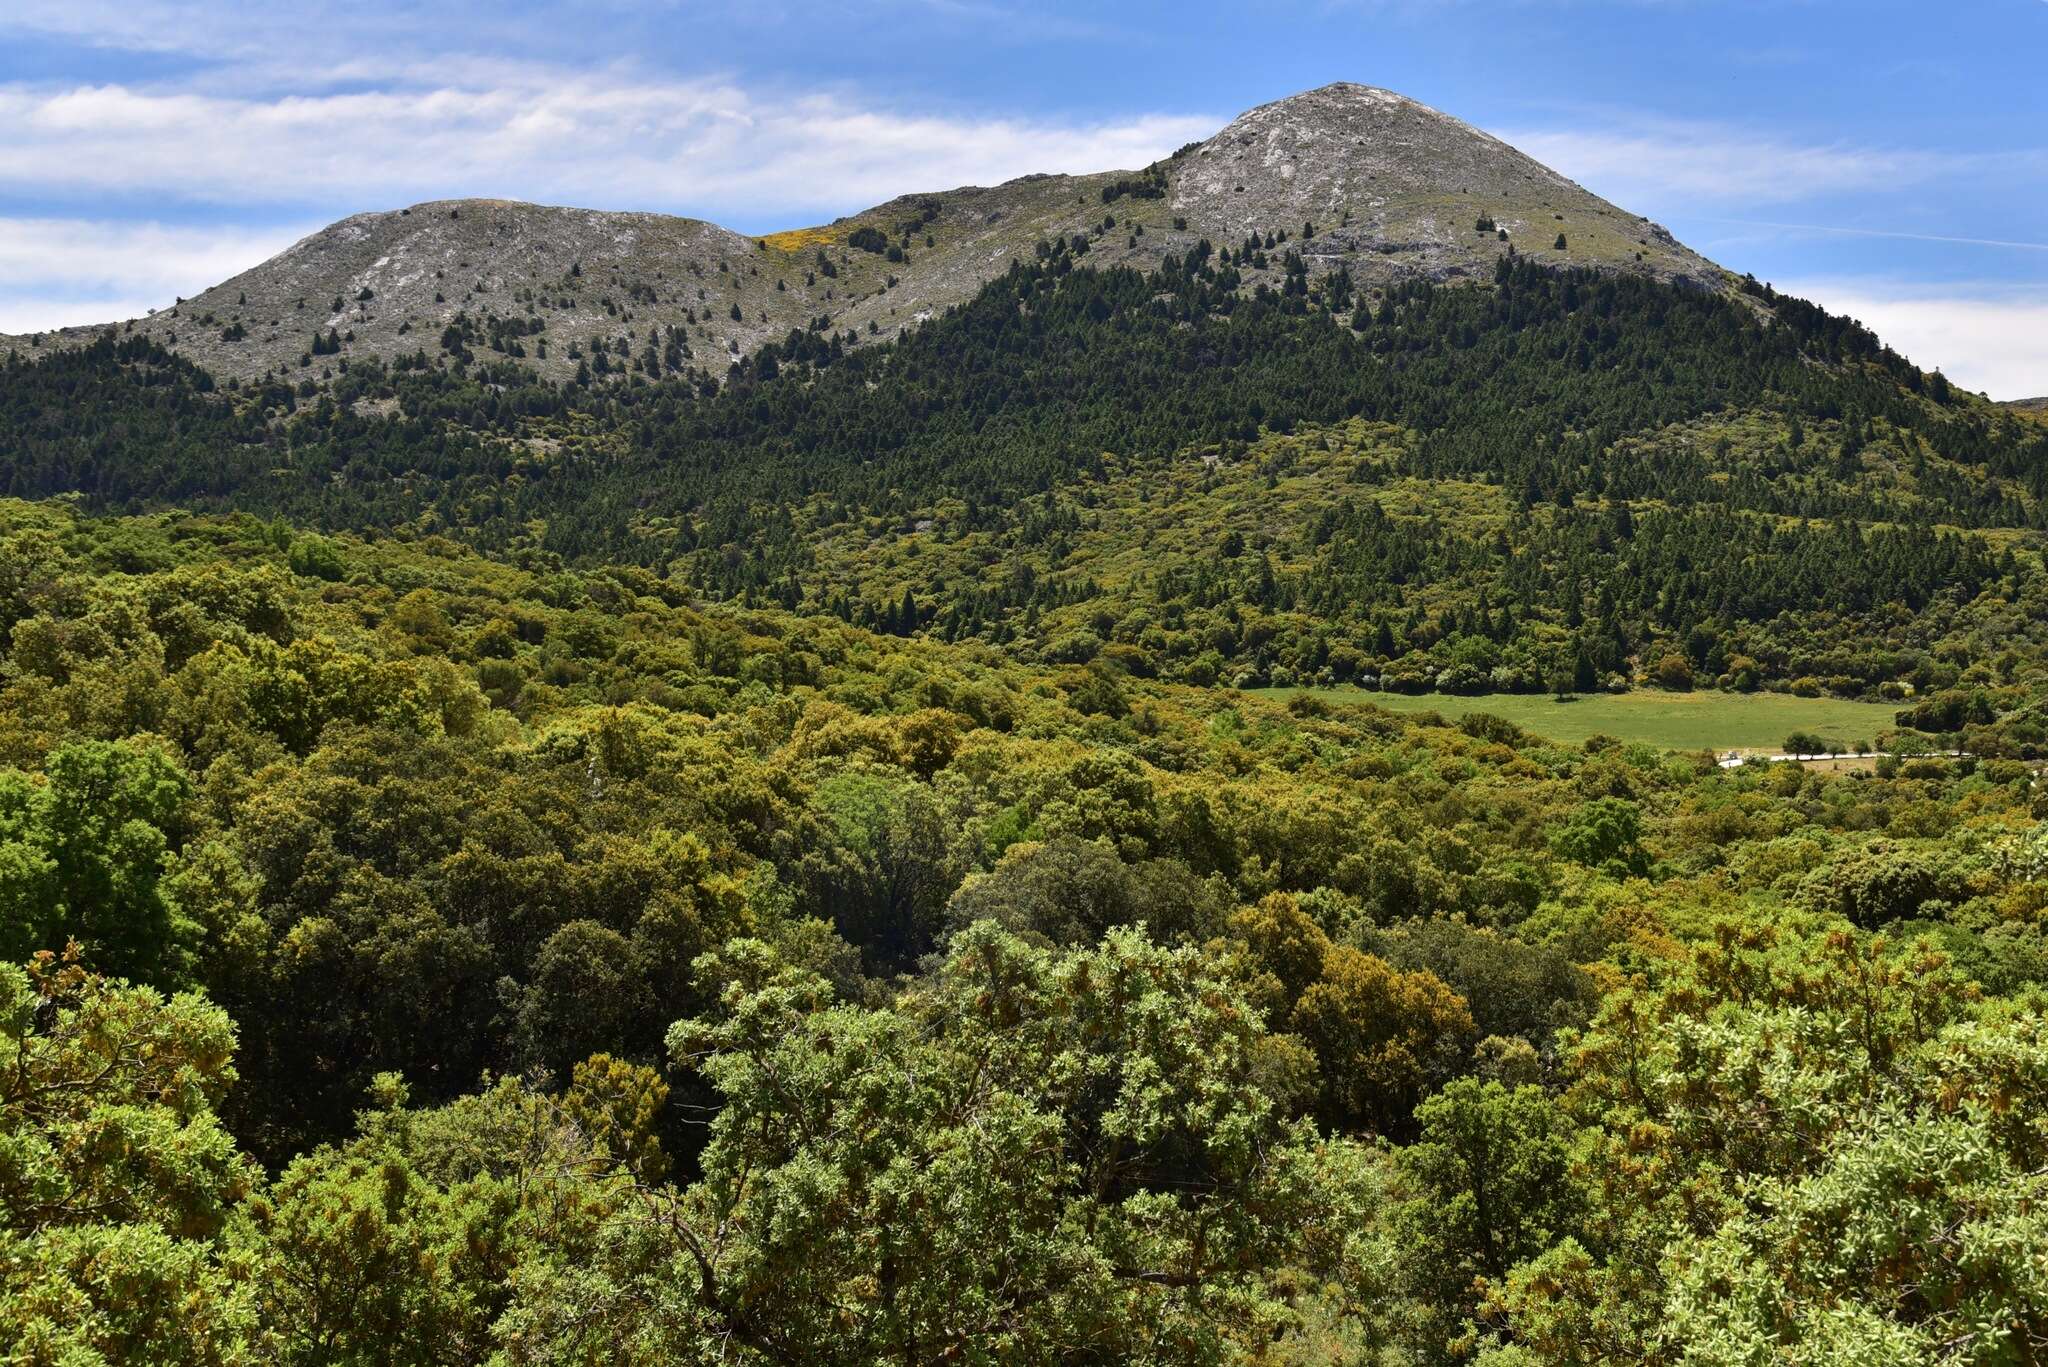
<point x="610" y="139"/>
<point x="228" y="31"/>
<point x="55" y="272"/>
<point x="263" y="44"/>
<point x="309" y="32"/>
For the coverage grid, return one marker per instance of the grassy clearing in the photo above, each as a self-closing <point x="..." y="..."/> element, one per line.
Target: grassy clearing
<point x="1678" y="721"/>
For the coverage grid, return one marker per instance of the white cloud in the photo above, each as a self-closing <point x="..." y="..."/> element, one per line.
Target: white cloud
<point x="58" y="272"/>
<point x="616" y="140"/>
<point x="1990" y="339"/>
<point x="51" y="309"/>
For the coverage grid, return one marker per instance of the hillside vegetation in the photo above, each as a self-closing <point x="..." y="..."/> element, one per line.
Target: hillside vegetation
<point x="422" y="908"/>
<point x="1557" y="481"/>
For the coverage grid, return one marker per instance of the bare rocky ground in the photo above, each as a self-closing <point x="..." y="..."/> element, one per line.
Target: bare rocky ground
<point x="1391" y="189"/>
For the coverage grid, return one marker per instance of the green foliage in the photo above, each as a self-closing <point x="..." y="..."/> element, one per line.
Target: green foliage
<point x="883" y="867"/>
<point x="1068" y="891"/>
<point x="318" y="558"/>
<point x="1822" y="1147"/>
<point x="1490" y="1175"/>
<point x="117" y="1180"/>
<point x="1380" y="1037"/>
<point x="1605" y="833"/>
<point x="1110" y="1172"/>
<point x="1917" y="1234"/>
<point x="1887" y="883"/>
<point x="82" y="854"/>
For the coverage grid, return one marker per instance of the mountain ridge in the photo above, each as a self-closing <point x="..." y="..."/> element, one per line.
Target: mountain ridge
<point x="1386" y="189"/>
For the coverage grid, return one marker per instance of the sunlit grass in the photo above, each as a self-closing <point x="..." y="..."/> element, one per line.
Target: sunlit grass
<point x="1679" y="721"/>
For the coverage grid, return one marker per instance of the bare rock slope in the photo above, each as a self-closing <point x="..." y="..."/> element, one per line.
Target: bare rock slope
<point x="1397" y="188"/>
<point x="1353" y="176"/>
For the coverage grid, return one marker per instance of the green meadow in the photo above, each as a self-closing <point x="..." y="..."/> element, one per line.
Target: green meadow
<point x="1678" y="721"/>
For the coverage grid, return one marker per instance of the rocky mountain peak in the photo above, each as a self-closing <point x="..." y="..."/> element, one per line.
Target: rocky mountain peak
<point x="1346" y="147"/>
<point x="1352" y="177"/>
<point x="1405" y="189"/>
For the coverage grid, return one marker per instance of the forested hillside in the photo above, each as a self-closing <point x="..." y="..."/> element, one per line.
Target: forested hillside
<point x="1562" y="480"/>
<point x="415" y="956"/>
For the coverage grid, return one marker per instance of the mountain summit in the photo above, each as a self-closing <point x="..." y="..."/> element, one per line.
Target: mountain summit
<point x="1351" y="177"/>
<point x="1396" y="188"/>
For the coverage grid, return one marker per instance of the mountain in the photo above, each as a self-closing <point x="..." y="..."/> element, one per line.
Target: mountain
<point x="1391" y="188"/>
<point x="910" y="847"/>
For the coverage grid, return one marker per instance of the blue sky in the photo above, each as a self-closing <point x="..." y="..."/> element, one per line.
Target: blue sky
<point x="1887" y="159"/>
